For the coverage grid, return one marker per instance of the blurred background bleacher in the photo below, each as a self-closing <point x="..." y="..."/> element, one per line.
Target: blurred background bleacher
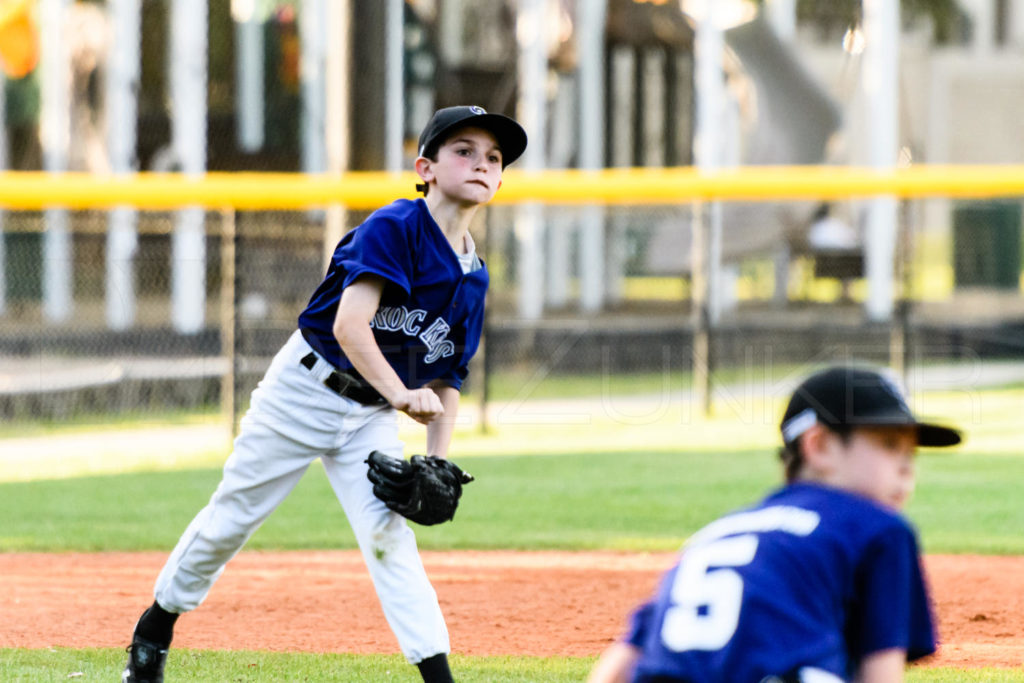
<point x="103" y="312"/>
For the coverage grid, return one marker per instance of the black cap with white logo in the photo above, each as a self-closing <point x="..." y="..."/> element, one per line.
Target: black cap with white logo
<point x="856" y="397"/>
<point x="510" y="135"/>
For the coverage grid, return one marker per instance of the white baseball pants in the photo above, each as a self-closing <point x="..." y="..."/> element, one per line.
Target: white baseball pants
<point x="294" y="419"/>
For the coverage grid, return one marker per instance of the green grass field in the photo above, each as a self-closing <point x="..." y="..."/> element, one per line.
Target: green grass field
<point x="53" y="665"/>
<point x="965" y="503"/>
<point x="632" y="475"/>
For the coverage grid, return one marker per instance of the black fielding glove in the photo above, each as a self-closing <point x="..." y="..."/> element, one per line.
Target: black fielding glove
<point x="424" y="489"/>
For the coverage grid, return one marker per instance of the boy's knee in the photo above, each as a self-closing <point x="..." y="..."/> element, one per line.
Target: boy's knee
<point x="389" y="533"/>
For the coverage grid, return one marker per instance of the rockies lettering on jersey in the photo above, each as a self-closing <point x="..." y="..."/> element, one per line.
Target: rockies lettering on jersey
<point x="395" y="318"/>
<point x="430" y="317"/>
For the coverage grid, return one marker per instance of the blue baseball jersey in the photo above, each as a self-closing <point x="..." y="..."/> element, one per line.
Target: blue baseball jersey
<point x="431" y="314"/>
<point x="810" y="578"/>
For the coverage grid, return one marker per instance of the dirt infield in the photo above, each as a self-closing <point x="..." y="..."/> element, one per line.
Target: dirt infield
<point x="500" y="603"/>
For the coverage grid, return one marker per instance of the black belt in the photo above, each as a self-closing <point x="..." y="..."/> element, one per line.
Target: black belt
<point x="346" y="385"/>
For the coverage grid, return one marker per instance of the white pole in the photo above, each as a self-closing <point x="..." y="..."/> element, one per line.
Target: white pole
<point x="782" y="17"/>
<point x="880" y="91"/>
<point x="56" y="133"/>
<point x="590" y="20"/>
<point x="249" y="97"/>
<point x="313" y="40"/>
<point x="1015" y="25"/>
<point x="450" y="30"/>
<point x="560" y="221"/>
<point x="557" y="261"/>
<point x="394" y="130"/>
<point x="336" y="97"/>
<point x="652" y="106"/>
<point x="56" y="85"/>
<point x="531" y="31"/>
<point x="621" y="95"/>
<point x="709" y="44"/>
<point x="122" y="83"/>
<point x="983" y="21"/>
<point x="337" y="86"/>
<point x="188" y="47"/>
<point x="710" y="84"/>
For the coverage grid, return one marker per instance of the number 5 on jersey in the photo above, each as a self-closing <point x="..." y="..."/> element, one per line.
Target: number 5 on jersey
<point x="706" y="602"/>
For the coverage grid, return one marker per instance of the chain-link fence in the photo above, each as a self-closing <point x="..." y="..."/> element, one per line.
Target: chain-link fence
<point x="68" y="348"/>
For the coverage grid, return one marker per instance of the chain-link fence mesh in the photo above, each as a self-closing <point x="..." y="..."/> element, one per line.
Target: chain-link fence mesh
<point x="958" y="298"/>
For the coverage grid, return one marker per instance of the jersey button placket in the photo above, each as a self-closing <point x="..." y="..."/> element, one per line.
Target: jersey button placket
<point x="458" y="293"/>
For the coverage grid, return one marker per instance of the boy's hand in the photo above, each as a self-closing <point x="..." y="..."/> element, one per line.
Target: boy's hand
<point x="422" y="405"/>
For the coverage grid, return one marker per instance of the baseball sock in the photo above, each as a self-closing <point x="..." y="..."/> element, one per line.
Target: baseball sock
<point x="435" y="669"/>
<point x="156" y="625"/>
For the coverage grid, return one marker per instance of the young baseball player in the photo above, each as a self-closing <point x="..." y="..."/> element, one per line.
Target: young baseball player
<point x="391" y="328"/>
<point x="821" y="581"/>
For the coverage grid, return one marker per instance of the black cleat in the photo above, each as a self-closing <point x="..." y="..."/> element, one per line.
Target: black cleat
<point x="145" y="662"/>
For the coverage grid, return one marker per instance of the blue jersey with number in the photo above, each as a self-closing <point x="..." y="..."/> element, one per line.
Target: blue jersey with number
<point x="811" y="578"/>
<point x="430" y="317"/>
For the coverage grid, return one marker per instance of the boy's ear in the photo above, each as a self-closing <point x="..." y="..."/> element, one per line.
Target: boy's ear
<point x="424" y="168"/>
<point x="816" y="446"/>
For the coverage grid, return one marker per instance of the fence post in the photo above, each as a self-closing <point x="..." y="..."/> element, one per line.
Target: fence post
<point x="900" y="345"/>
<point x="701" y="313"/>
<point x="229" y="319"/>
<point x="485" y="364"/>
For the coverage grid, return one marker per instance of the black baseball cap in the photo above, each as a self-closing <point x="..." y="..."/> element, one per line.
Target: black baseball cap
<point x="510" y="135"/>
<point x="856" y="397"/>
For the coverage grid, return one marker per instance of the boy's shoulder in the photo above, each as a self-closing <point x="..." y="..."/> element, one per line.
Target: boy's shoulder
<point x="859" y="514"/>
<point x="407" y="215"/>
<point x="402" y="216"/>
<point x="404" y="207"/>
<point x="401" y="210"/>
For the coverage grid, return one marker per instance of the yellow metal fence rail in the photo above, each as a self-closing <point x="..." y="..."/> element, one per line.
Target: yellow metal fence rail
<point x="368" y="190"/>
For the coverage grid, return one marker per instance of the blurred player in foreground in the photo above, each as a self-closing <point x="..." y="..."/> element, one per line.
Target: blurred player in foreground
<point x="391" y="328"/>
<point x="821" y="581"/>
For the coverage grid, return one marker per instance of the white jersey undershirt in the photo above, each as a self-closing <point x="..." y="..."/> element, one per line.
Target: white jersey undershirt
<point x="469" y="260"/>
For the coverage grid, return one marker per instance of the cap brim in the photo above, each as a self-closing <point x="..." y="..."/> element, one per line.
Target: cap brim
<point x="936" y="435"/>
<point x="928" y="433"/>
<point x="510" y="135"/>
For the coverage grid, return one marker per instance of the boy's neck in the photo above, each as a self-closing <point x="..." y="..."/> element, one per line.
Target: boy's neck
<point x="453" y="220"/>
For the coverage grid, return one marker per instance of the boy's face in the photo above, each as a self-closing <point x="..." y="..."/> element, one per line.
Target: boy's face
<point x="876" y="462"/>
<point x="468" y="167"/>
